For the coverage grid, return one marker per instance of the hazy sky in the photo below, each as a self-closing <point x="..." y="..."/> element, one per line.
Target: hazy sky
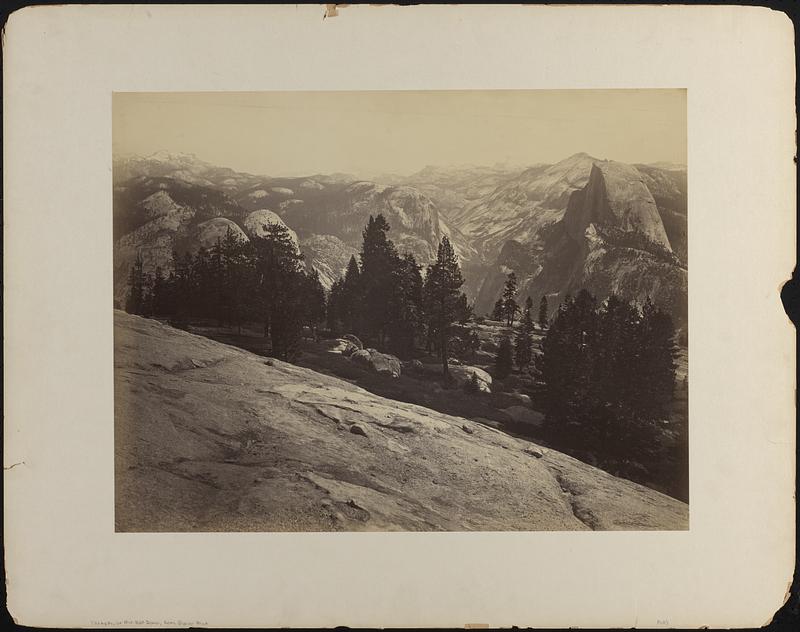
<point x="301" y="133"/>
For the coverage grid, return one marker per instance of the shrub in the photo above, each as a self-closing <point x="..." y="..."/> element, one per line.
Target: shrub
<point x="505" y="359"/>
<point x="472" y="385"/>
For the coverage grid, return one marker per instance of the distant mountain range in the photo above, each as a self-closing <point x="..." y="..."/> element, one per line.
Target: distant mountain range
<point x="582" y="222"/>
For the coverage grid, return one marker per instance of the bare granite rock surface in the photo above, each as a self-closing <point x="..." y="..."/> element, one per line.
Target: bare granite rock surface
<point x="212" y="438"/>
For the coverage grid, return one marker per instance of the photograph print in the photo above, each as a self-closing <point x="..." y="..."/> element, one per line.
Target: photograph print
<point x="400" y="311"/>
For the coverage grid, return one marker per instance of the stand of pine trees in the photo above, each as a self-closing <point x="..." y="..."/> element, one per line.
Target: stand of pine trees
<point x="383" y="299"/>
<point x="235" y="282"/>
<point x="387" y="301"/>
<point x="609" y="375"/>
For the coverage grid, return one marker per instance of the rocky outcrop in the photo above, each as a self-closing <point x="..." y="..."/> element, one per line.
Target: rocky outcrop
<point x="525" y="415"/>
<point x="342" y="210"/>
<point x="338" y="345"/>
<point x="207" y="233"/>
<point x="501" y="399"/>
<point x="669" y="189"/>
<point x="463" y="376"/>
<point x="381" y="363"/>
<point x="521" y="207"/>
<point x="282" y="191"/>
<point x="611" y="240"/>
<point x="158" y="204"/>
<point x="311" y="184"/>
<point x="212" y="438"/>
<point x="513" y="256"/>
<point x="328" y="255"/>
<point x="615" y="197"/>
<point x="635" y="245"/>
<point x="353" y="339"/>
<point x="256" y="222"/>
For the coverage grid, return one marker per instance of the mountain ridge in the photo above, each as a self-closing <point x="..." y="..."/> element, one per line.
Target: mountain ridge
<point x="483" y="210"/>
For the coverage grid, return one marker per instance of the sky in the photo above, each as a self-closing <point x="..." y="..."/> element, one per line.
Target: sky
<point x="374" y="132"/>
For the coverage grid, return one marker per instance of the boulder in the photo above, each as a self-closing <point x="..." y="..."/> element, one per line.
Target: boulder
<point x="522" y="398"/>
<point x="462" y="374"/>
<point x="489" y="346"/>
<point x="504" y="400"/>
<point x="414" y="366"/>
<point x="381" y="363"/>
<point x="535" y="451"/>
<point x="358" y="430"/>
<point x="484" y="357"/>
<point x="354" y="340"/>
<point x="524" y="415"/>
<point x="492" y="423"/>
<point x="338" y="345"/>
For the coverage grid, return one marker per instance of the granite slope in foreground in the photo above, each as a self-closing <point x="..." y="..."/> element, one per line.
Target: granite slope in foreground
<point x="212" y="438"/>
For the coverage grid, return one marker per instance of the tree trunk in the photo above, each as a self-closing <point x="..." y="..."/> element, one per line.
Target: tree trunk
<point x="445" y="370"/>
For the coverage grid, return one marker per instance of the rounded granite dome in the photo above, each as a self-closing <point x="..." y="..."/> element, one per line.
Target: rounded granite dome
<point x="255" y="222"/>
<point x="207" y="233"/>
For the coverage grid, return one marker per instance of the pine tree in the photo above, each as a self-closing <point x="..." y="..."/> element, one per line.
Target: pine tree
<point x="504" y="361"/>
<point x="543" y="312"/>
<point x="442" y="298"/>
<point x="314" y="301"/>
<point x="168" y="293"/>
<point x="234" y="272"/>
<point x="202" y="283"/>
<point x="656" y="376"/>
<point x="510" y="306"/>
<point x="379" y="261"/>
<point x="334" y="306"/>
<point x="350" y="304"/>
<point x="147" y="296"/>
<point x="498" y="312"/>
<point x="463" y="310"/>
<point x="473" y="343"/>
<point x="216" y="301"/>
<point x="523" y="343"/>
<point x="280" y="286"/>
<point x="615" y="369"/>
<point x="406" y="306"/>
<point x="135" y="302"/>
<point x="566" y="367"/>
<point x="159" y="294"/>
<point x="183" y="290"/>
